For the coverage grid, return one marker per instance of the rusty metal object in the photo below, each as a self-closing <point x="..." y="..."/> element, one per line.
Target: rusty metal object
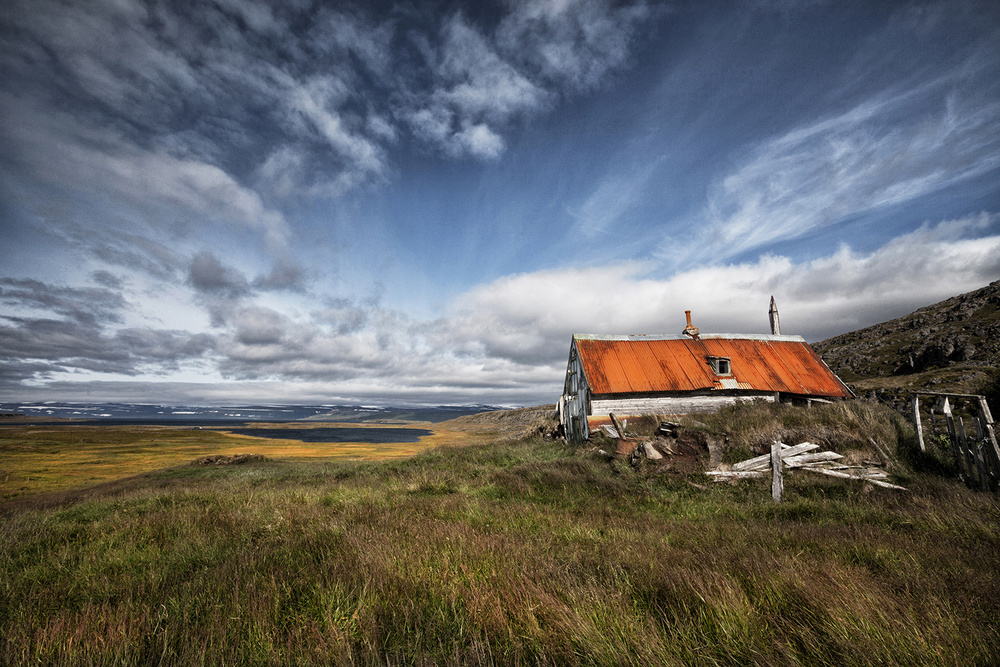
<point x="637" y="364"/>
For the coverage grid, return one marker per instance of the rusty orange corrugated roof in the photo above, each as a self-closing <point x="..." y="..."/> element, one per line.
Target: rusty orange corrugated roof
<point x="643" y="364"/>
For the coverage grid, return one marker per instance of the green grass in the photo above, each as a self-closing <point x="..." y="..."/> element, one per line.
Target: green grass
<point x="522" y="552"/>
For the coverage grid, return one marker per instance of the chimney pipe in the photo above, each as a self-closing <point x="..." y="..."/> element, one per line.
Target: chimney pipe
<point x="690" y="329"/>
<point x="773" y="315"/>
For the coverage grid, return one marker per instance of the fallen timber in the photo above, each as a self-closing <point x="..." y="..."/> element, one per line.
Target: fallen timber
<point x="803" y="457"/>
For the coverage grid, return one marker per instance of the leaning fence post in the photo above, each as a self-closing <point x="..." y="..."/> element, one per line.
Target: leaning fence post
<point x="777" y="484"/>
<point x="949" y="421"/>
<point x="990" y="442"/>
<point x="980" y="455"/>
<point x="915" y="403"/>
<point x="970" y="456"/>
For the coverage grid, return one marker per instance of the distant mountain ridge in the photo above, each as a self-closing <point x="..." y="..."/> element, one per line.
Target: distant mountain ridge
<point x="952" y="345"/>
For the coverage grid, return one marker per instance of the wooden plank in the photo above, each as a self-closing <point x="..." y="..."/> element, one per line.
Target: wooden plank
<point x="736" y="474"/>
<point x="664" y="405"/>
<point x="915" y="405"/>
<point x="947" y="394"/>
<point x="889" y="461"/>
<point x="970" y="461"/>
<point x="949" y="421"/>
<point x="992" y="451"/>
<point x="990" y="437"/>
<point x="984" y="478"/>
<point x="777" y="483"/>
<point x="835" y="473"/>
<point x="763" y="460"/>
<point x="807" y="459"/>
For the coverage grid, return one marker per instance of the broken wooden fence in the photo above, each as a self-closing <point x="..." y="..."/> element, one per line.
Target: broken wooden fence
<point x="973" y="445"/>
<point x="803" y="457"/>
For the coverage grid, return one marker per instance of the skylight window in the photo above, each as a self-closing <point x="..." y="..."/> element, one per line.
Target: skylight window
<point x="721" y="365"/>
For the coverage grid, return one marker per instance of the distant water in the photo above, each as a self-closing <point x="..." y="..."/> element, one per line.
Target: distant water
<point x="185" y="415"/>
<point x="373" y="435"/>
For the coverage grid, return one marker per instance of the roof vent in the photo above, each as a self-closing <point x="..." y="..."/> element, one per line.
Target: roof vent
<point x="690" y="329"/>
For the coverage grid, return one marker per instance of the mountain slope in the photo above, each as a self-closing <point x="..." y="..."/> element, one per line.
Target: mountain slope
<point x="948" y="346"/>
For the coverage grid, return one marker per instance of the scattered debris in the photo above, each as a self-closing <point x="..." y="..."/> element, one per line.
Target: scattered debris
<point x="650" y="451"/>
<point x="668" y="428"/>
<point x="799" y="457"/>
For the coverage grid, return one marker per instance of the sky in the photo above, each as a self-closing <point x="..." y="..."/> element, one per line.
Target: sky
<point x="232" y="201"/>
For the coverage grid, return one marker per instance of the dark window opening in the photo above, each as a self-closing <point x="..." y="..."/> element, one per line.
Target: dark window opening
<point x="721" y="365"/>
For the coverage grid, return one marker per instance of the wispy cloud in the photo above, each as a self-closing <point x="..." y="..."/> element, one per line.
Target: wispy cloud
<point x="614" y="196"/>
<point x="572" y="43"/>
<point x="864" y="159"/>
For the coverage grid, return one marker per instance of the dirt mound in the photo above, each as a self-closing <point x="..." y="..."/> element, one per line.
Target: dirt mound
<point x="235" y="459"/>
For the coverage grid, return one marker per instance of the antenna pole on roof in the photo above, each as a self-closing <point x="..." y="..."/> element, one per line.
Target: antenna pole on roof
<point x="773" y="314"/>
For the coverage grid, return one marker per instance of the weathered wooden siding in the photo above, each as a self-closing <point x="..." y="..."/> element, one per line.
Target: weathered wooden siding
<point x="576" y="399"/>
<point x="668" y="405"/>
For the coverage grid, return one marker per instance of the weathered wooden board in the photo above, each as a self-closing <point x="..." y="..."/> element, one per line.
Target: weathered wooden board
<point x="736" y="474"/>
<point x="666" y="405"/>
<point x="863" y="478"/>
<point x="806" y="459"/>
<point x="765" y="459"/>
<point x="777" y="481"/>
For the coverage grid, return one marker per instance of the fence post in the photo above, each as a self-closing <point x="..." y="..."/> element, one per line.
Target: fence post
<point x="915" y="404"/>
<point x="990" y="440"/>
<point x="970" y="457"/>
<point x="949" y="421"/>
<point x="777" y="483"/>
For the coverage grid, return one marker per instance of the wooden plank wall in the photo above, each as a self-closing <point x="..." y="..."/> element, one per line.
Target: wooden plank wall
<point x="666" y="405"/>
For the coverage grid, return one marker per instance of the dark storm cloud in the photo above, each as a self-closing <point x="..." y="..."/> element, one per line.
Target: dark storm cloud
<point x="209" y="275"/>
<point x="40" y="347"/>
<point x="88" y="306"/>
<point x="48" y="328"/>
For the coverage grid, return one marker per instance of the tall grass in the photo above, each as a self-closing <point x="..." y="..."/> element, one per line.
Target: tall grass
<point x="524" y="552"/>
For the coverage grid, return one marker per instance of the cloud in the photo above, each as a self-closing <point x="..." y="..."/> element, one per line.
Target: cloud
<point x="48" y="347"/>
<point x="481" y="84"/>
<point x="505" y="341"/>
<point x="572" y="43"/>
<point x="612" y="199"/>
<point x="209" y="275"/>
<point x="859" y="161"/>
<point x="149" y="182"/>
<point x="473" y="92"/>
<point x="50" y="329"/>
<point x="86" y="306"/>
<point x="195" y="109"/>
<point x="529" y="318"/>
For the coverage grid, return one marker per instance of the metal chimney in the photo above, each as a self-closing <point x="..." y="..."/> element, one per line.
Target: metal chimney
<point x="690" y="329"/>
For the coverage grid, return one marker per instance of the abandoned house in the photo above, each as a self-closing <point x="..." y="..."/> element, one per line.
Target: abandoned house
<point x="689" y="372"/>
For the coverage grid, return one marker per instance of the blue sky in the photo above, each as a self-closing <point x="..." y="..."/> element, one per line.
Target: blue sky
<point x="421" y="202"/>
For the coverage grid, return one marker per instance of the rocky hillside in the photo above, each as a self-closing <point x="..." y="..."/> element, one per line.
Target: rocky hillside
<point x="949" y="346"/>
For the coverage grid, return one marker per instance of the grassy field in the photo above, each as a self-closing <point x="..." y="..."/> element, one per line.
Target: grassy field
<point x="515" y="551"/>
<point x="35" y="459"/>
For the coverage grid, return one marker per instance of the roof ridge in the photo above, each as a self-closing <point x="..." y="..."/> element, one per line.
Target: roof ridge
<point x="790" y="338"/>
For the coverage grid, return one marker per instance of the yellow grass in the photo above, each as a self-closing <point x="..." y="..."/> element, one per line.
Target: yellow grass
<point x="36" y="459"/>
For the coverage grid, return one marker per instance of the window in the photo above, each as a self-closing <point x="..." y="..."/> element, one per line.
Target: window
<point x="721" y="365"/>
